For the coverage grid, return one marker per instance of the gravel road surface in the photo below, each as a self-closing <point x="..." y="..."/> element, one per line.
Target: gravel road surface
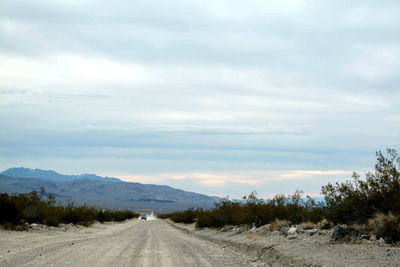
<point x="133" y="243"/>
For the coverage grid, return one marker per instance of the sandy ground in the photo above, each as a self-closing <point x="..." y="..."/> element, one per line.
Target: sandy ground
<point x="163" y="243"/>
<point x="133" y="243"/>
<point x="303" y="250"/>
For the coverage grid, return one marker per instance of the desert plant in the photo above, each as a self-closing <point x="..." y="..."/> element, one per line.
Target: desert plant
<point x="35" y="207"/>
<point x="358" y="200"/>
<point x="186" y="216"/>
<point x="308" y="225"/>
<point x="251" y="210"/>
<point x="386" y="226"/>
<point x="277" y="225"/>
<point x="324" y="224"/>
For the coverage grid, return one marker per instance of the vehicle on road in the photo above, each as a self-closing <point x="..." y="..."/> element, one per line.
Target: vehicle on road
<point x="143" y="217"/>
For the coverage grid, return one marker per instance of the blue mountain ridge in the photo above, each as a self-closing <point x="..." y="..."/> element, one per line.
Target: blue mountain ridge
<point x="22" y="172"/>
<point x="100" y="191"/>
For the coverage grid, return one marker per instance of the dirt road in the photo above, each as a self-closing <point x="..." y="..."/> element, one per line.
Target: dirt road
<point x="134" y="243"/>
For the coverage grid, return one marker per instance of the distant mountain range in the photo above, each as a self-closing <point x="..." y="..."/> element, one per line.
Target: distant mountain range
<point x="108" y="192"/>
<point x="53" y="176"/>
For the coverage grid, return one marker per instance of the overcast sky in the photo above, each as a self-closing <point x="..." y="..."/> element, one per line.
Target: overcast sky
<point x="216" y="97"/>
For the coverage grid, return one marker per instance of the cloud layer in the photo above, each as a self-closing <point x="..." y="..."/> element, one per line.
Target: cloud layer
<point x="183" y="88"/>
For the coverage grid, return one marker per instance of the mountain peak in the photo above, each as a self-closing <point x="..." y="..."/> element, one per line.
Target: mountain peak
<point x="23" y="172"/>
<point x="91" y="189"/>
<point x="29" y="173"/>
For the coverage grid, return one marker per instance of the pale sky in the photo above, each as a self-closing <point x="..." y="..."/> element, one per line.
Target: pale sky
<point x="215" y="97"/>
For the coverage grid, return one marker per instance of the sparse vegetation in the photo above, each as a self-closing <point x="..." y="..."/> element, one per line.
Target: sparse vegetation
<point x="253" y="210"/>
<point x="186" y="216"/>
<point x="372" y="204"/>
<point x="358" y="200"/>
<point x="34" y="207"/>
<point x="386" y="226"/>
<point x="276" y="225"/>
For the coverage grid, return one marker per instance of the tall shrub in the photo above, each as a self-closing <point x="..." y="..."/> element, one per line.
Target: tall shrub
<point x="357" y="200"/>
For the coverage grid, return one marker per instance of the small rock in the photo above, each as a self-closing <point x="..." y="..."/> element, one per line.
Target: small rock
<point x="364" y="236"/>
<point x="239" y="229"/>
<point x="311" y="231"/>
<point x="255" y="230"/>
<point x="292" y="237"/>
<point x="343" y="231"/>
<point x="381" y="241"/>
<point x="292" y="231"/>
<point x="227" y="228"/>
<point x="283" y="230"/>
<point x="373" y="238"/>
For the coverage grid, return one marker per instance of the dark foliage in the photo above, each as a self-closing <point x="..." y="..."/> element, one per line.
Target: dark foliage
<point x="358" y="200"/>
<point x="374" y="201"/>
<point x="252" y="210"/>
<point x="187" y="216"/>
<point x="34" y="207"/>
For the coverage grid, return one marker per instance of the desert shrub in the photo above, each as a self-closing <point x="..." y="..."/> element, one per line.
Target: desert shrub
<point x="358" y="200"/>
<point x="362" y="228"/>
<point x="83" y="215"/>
<point x="277" y="225"/>
<point x="29" y="207"/>
<point x="324" y="224"/>
<point x="34" y="207"/>
<point x="114" y="215"/>
<point x="386" y="226"/>
<point x="122" y="215"/>
<point x="186" y="216"/>
<point x="9" y="211"/>
<point x="308" y="225"/>
<point x="352" y="202"/>
<point x="252" y="210"/>
<point x="206" y="220"/>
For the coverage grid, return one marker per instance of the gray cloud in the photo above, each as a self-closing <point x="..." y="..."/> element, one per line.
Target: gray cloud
<point x="197" y="86"/>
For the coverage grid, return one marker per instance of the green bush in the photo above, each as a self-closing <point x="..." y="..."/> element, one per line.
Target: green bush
<point x="186" y="216"/>
<point x="253" y="211"/>
<point x="33" y="207"/>
<point x="358" y="200"/>
<point x="113" y="215"/>
<point x="375" y="199"/>
<point x="83" y="215"/>
<point x="386" y="226"/>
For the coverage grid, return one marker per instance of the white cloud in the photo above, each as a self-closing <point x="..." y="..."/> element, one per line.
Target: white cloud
<point x="199" y="87"/>
<point x="266" y="183"/>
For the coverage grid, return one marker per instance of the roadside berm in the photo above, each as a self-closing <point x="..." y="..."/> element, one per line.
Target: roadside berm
<point x="296" y="246"/>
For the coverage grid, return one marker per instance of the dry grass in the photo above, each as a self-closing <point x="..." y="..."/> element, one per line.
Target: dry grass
<point x="386" y="226"/>
<point x="324" y="224"/>
<point x="362" y="228"/>
<point x="278" y="224"/>
<point x="308" y="225"/>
